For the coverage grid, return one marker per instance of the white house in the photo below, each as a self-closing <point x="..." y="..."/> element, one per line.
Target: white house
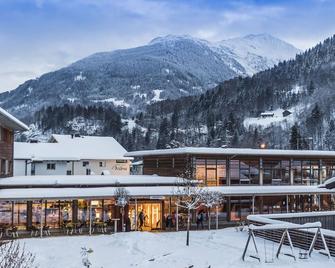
<point x="71" y="155"/>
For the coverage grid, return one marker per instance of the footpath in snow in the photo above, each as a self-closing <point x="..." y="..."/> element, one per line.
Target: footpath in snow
<point x="213" y="249"/>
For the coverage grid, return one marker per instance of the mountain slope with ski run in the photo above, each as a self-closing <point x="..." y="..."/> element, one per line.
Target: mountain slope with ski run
<point x="166" y="68"/>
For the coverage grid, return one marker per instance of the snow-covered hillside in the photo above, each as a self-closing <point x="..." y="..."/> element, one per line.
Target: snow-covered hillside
<point x="258" y="52"/>
<point x="168" y="67"/>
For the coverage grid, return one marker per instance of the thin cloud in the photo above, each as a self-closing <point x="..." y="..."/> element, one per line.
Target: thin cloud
<point x="46" y="35"/>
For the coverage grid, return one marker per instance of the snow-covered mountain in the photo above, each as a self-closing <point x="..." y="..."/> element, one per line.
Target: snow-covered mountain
<point x="166" y="68"/>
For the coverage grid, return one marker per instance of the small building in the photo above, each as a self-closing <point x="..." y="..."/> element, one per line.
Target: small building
<point x="267" y="114"/>
<point x="286" y="113"/>
<point x="8" y="125"/>
<point x="71" y="155"/>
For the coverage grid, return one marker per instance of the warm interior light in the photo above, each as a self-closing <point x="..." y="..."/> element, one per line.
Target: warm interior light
<point x="262" y="146"/>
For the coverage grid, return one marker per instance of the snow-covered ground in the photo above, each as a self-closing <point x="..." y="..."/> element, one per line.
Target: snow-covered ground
<point x="213" y="249"/>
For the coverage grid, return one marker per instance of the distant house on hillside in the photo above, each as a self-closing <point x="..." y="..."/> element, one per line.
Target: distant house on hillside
<point x="286" y="113"/>
<point x="71" y="155"/>
<point x="8" y="125"/>
<point x="267" y="114"/>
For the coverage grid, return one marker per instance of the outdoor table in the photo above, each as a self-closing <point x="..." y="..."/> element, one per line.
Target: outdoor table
<point x="115" y="224"/>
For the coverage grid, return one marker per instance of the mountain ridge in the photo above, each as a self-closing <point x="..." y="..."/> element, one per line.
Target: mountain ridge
<point x="129" y="79"/>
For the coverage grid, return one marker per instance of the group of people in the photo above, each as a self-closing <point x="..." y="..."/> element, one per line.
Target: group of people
<point x="170" y="220"/>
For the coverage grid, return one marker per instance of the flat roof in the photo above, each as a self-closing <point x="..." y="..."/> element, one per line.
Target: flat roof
<point x="152" y="192"/>
<point x="11" y="122"/>
<point x="232" y="152"/>
<point x="80" y="180"/>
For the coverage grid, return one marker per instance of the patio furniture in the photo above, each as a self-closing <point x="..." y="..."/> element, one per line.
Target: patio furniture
<point x="101" y="227"/>
<point x="34" y="231"/>
<point x="12" y="232"/>
<point x="46" y="230"/>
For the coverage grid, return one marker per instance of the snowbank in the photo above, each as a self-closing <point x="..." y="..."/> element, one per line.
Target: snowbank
<point x="221" y="248"/>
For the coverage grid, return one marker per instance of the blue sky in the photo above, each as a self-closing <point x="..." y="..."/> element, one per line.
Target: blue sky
<point x="37" y="36"/>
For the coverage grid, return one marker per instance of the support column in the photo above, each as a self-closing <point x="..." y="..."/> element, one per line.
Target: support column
<point x="253" y="204"/>
<point x="261" y="172"/>
<point x="41" y="223"/>
<point x="228" y="209"/>
<point x="136" y="223"/>
<point x="228" y="171"/>
<point x="287" y="207"/>
<point x="29" y="215"/>
<point x="75" y="211"/>
<point x="291" y="172"/>
<point x="177" y="218"/>
<point x="90" y="217"/>
<point x="217" y="217"/>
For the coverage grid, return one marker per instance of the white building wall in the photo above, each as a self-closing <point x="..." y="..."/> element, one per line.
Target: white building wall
<point x="20" y="168"/>
<point x="60" y="168"/>
<point x="112" y="166"/>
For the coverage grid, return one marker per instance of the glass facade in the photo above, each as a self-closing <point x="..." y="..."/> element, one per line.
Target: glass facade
<point x="20" y="214"/>
<point x="216" y="172"/>
<point x="276" y="172"/>
<point x="6" y="208"/>
<point x="211" y="172"/>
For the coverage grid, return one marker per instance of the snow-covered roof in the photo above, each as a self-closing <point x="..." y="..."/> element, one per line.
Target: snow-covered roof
<point x="43" y="151"/>
<point x="233" y="152"/>
<point x="10" y="121"/>
<point x="80" y="180"/>
<point x="156" y="192"/>
<point x="67" y="147"/>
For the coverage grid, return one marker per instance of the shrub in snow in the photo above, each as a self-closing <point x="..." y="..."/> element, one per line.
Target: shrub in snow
<point x="12" y="255"/>
<point x="84" y="254"/>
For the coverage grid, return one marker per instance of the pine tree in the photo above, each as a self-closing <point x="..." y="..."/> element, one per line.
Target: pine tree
<point x="295" y="138"/>
<point x="163" y="136"/>
<point x="311" y="88"/>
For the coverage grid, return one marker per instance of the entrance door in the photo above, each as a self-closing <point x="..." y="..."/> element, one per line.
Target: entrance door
<point x="149" y="216"/>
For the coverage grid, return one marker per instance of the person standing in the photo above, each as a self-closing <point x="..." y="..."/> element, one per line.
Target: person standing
<point x="141" y="220"/>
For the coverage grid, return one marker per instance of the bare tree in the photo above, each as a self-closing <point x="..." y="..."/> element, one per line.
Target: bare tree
<point x="211" y="199"/>
<point x="122" y="199"/>
<point x="12" y="255"/>
<point x="189" y="195"/>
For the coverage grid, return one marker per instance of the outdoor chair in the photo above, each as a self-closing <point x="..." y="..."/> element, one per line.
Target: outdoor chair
<point x="78" y="227"/>
<point x="12" y="232"/>
<point x="46" y="230"/>
<point x="34" y="231"/>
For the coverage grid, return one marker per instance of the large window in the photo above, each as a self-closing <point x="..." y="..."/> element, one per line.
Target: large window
<point x="327" y="170"/>
<point x="276" y="172"/>
<point x="5" y="213"/>
<point x="211" y="172"/>
<point x="83" y="211"/>
<point x="96" y="210"/>
<point x="244" y="172"/>
<point x="65" y="212"/>
<point x="20" y="214"/>
<point x="52" y="213"/>
<point x="249" y="172"/>
<point x="36" y="213"/>
<point x="306" y="172"/>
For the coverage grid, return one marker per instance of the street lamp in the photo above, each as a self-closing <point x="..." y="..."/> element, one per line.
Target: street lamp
<point x="262" y="145"/>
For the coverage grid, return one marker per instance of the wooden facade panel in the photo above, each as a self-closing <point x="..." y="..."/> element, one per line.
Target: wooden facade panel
<point x="6" y="152"/>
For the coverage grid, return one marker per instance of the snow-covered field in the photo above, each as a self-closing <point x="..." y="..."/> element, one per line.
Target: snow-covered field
<point x="221" y="248"/>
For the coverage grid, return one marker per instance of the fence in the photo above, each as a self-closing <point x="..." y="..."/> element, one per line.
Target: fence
<point x="300" y="238"/>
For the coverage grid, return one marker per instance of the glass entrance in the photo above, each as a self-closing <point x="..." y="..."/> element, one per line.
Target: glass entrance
<point x="149" y="216"/>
